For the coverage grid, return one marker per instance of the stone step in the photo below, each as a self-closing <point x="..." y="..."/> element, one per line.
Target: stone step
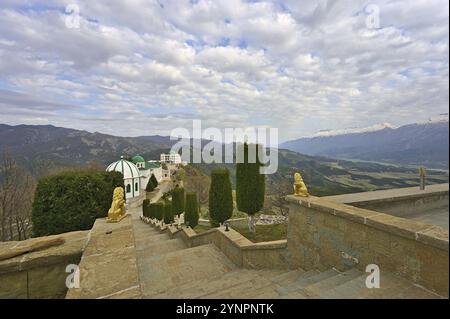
<point x="316" y="289"/>
<point x="209" y="285"/>
<point x="287" y="277"/>
<point x="308" y="278"/>
<point x="160" y="273"/>
<point x="242" y="290"/>
<point x="160" y="248"/>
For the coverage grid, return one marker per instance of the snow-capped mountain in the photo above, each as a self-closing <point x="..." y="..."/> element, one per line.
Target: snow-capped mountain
<point x="353" y="130"/>
<point x="425" y="143"/>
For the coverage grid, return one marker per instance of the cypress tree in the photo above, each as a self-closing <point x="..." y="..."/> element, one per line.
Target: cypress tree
<point x="146" y="208"/>
<point x="150" y="187"/>
<point x="154" y="181"/>
<point x="220" y="195"/>
<point x="151" y="210"/>
<point x="159" y="211"/>
<point x="191" y="214"/>
<point x="178" y="200"/>
<point x="168" y="213"/>
<point x="250" y="185"/>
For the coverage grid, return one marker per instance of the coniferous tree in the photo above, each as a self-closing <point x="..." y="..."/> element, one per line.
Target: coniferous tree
<point x="191" y="214"/>
<point x="168" y="213"/>
<point x="151" y="210"/>
<point x="154" y="181"/>
<point x="150" y="187"/>
<point x="146" y="208"/>
<point x="159" y="211"/>
<point x="250" y="184"/>
<point x="178" y="200"/>
<point x="220" y="195"/>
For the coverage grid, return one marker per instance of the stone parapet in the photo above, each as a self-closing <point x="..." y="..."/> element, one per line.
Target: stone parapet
<point x="41" y="273"/>
<point x="324" y="234"/>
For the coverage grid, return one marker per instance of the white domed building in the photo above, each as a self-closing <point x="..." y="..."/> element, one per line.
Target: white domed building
<point x="131" y="177"/>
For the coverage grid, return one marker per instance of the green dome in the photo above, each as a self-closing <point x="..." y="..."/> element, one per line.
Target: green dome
<point x="138" y="159"/>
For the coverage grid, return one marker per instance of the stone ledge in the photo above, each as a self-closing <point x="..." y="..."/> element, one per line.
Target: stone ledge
<point x="421" y="232"/>
<point x="73" y="246"/>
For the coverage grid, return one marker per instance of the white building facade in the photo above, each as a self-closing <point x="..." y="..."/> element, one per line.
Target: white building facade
<point x="132" y="177"/>
<point x="171" y="158"/>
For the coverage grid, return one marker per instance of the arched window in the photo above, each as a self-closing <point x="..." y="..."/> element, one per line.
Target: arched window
<point x="128" y="188"/>
<point x="136" y="187"/>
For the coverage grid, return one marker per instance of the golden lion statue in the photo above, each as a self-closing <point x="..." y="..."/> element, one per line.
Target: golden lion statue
<point x="117" y="211"/>
<point x="300" y="188"/>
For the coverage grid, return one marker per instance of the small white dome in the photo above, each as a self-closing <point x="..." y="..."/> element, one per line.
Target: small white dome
<point x="128" y="169"/>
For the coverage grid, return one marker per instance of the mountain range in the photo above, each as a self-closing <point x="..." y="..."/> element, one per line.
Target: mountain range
<point x="42" y="149"/>
<point x="425" y="144"/>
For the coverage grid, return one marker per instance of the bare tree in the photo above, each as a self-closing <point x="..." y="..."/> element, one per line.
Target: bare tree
<point x="16" y="194"/>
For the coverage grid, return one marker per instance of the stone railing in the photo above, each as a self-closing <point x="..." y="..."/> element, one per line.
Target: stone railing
<point x="401" y="202"/>
<point x="324" y="234"/>
<point x="232" y="244"/>
<point x="41" y="273"/>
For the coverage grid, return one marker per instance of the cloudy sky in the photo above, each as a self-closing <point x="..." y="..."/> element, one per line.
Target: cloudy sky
<point x="141" y="67"/>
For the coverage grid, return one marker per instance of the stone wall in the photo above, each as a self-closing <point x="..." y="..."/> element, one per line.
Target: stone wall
<point x="40" y="274"/>
<point x="323" y="234"/>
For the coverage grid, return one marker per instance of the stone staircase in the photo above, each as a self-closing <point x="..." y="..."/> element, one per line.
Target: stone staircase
<point x="168" y="269"/>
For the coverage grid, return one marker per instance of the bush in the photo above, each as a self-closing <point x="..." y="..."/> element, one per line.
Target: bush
<point x="146" y="208"/>
<point x="168" y="214"/>
<point x="159" y="210"/>
<point x="191" y="214"/>
<point x="178" y="200"/>
<point x="220" y="195"/>
<point x="154" y="181"/>
<point x="71" y="201"/>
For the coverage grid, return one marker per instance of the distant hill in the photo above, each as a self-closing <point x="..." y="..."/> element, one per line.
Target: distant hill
<point x="34" y="146"/>
<point x="415" y="144"/>
<point x="42" y="148"/>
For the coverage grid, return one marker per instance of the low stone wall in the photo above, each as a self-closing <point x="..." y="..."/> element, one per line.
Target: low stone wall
<point x="108" y="267"/>
<point x="236" y="247"/>
<point x="401" y="202"/>
<point x="40" y="274"/>
<point x="324" y="234"/>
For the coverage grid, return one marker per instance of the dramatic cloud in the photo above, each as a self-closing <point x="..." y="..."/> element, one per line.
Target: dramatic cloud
<point x="145" y="67"/>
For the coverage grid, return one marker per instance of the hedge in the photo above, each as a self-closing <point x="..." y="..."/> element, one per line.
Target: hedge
<point x="72" y="200"/>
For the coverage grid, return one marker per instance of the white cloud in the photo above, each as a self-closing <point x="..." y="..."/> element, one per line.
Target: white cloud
<point x="299" y="66"/>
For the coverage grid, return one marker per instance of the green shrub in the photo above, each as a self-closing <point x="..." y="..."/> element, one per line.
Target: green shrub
<point x="151" y="210"/>
<point x="191" y="214"/>
<point x="71" y="201"/>
<point x="220" y="195"/>
<point x="168" y="213"/>
<point x="178" y="200"/>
